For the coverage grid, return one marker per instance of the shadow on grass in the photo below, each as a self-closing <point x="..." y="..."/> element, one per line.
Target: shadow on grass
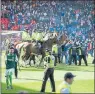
<point x="64" y="67"/>
<point x="82" y="68"/>
<point x="29" y="79"/>
<point x="31" y="69"/>
<point x="16" y="89"/>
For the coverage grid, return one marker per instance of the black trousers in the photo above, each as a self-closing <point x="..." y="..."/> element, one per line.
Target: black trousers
<point x="48" y="74"/>
<point x="84" y="58"/>
<point x="32" y="58"/>
<point x="56" y="58"/>
<point x="16" y="70"/>
<point x="59" y="58"/>
<point x="73" y="58"/>
<point x="93" y="61"/>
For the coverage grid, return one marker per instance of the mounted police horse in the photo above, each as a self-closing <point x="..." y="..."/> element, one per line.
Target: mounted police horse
<point x="32" y="51"/>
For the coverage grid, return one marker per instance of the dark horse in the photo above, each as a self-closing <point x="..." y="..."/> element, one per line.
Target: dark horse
<point x="32" y="50"/>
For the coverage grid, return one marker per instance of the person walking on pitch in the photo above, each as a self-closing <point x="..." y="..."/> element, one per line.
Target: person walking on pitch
<point x="10" y="66"/>
<point x="49" y="72"/>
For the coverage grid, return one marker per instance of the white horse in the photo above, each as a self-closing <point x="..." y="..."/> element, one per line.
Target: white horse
<point x="20" y="48"/>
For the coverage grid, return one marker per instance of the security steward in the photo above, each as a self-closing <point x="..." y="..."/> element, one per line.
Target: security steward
<point x="34" y="35"/>
<point x="49" y="71"/>
<point x="39" y="36"/>
<point x="64" y="87"/>
<point x="73" y="54"/>
<point x="55" y="52"/>
<point x="39" y="39"/>
<point x="26" y="36"/>
<point x="82" y="54"/>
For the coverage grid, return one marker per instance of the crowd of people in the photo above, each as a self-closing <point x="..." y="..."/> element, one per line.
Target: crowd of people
<point x="74" y="19"/>
<point x="73" y="50"/>
<point x="47" y="15"/>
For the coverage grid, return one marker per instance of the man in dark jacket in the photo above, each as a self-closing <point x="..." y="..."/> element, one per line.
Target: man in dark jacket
<point x="82" y="54"/>
<point x="72" y="55"/>
<point x="16" y="53"/>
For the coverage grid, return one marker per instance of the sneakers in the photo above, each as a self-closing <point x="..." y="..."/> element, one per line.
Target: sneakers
<point x="79" y="65"/>
<point x="16" y="77"/>
<point x="41" y="92"/>
<point x="9" y="87"/>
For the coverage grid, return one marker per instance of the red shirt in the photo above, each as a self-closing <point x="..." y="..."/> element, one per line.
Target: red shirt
<point x="15" y="27"/>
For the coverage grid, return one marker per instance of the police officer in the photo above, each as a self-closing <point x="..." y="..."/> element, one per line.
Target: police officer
<point x="82" y="54"/>
<point x="39" y="39"/>
<point x="55" y="51"/>
<point x="64" y="88"/>
<point x="26" y="36"/>
<point x="34" y="35"/>
<point x="39" y="36"/>
<point x="73" y="54"/>
<point x="49" y="72"/>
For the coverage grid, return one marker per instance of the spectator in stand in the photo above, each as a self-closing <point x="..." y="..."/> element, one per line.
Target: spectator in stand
<point x="80" y="13"/>
<point x="74" y="17"/>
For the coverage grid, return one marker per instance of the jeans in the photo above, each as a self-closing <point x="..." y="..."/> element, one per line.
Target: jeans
<point x="66" y="57"/>
<point x="73" y="58"/>
<point x="91" y="52"/>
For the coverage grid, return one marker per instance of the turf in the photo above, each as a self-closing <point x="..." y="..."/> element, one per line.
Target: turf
<point x="79" y="86"/>
<point x="30" y="79"/>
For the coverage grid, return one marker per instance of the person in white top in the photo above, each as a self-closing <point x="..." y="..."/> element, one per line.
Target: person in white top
<point x="64" y="87"/>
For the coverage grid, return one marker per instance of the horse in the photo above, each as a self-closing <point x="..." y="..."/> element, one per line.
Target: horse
<point x="20" y="46"/>
<point x="32" y="50"/>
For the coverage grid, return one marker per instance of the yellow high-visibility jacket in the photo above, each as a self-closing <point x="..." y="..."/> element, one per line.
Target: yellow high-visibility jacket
<point x="25" y="36"/>
<point x="63" y="86"/>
